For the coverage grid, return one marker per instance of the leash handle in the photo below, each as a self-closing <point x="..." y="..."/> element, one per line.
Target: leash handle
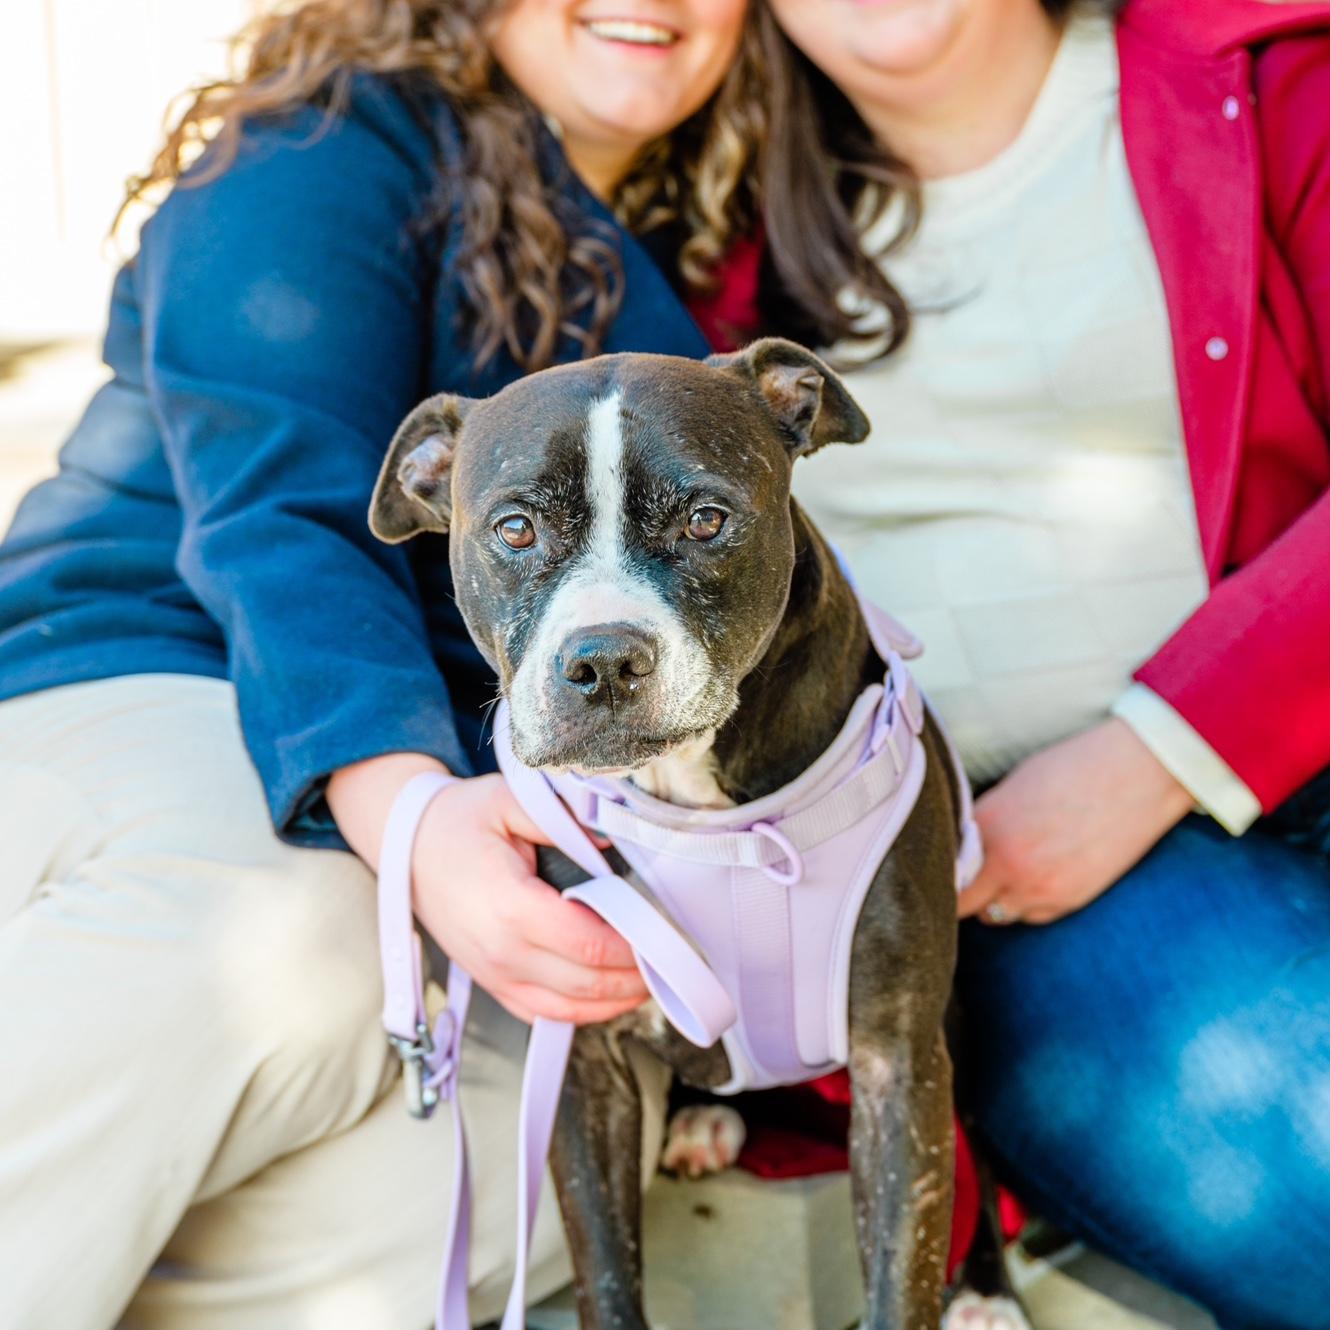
<point x="686" y="989"/>
<point x="689" y="993"/>
<point x="403" y="994"/>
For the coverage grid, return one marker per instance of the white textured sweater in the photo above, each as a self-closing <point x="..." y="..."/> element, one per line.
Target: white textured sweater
<point x="1023" y="501"/>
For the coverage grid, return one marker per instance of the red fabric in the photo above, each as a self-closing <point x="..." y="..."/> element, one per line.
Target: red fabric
<point x="1227" y="133"/>
<point x="774" y="1148"/>
<point x="729" y="315"/>
<point x="1225" y="120"/>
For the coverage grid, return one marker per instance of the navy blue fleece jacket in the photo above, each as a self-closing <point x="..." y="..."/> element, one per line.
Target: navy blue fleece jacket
<point x="209" y="515"/>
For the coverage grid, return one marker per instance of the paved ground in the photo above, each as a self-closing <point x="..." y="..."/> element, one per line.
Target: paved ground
<point x="42" y="390"/>
<point x="1083" y="1291"/>
<point x="735" y="1253"/>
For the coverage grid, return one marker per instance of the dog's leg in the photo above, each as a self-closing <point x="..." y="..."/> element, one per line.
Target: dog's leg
<point x="902" y="1157"/>
<point x="596" y="1157"/>
<point x="983" y="1297"/>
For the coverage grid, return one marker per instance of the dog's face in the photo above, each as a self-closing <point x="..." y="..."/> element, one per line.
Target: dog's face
<point x="620" y="536"/>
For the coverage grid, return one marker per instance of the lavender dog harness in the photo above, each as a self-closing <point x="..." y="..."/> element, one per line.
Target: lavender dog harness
<point x="742" y="926"/>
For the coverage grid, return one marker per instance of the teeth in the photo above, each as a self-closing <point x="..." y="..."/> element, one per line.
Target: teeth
<point x="628" y="30"/>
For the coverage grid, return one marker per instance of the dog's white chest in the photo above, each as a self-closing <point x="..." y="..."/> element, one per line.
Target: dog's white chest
<point x="685" y="776"/>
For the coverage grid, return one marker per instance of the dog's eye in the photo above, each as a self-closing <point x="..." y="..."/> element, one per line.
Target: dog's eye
<point x="516" y="532"/>
<point x="704" y="524"/>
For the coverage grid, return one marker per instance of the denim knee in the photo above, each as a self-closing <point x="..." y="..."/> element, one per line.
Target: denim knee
<point x="1153" y="1073"/>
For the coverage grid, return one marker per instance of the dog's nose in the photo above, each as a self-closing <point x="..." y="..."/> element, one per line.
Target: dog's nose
<point x="607" y="663"/>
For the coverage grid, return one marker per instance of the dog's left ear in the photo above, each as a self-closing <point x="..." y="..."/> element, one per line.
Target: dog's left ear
<point x="414" y="489"/>
<point x="811" y="404"/>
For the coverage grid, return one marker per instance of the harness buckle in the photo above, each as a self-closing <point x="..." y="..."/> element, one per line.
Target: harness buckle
<point x="908" y="696"/>
<point x="881" y="730"/>
<point x="584" y="804"/>
<point x="912" y="703"/>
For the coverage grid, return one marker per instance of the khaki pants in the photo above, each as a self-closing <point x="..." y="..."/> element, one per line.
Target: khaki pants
<point x="200" y="1122"/>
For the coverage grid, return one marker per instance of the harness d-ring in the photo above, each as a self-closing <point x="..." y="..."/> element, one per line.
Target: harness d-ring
<point x="783" y="843"/>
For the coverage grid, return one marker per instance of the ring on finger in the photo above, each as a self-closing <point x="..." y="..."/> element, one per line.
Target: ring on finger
<point x="997" y="913"/>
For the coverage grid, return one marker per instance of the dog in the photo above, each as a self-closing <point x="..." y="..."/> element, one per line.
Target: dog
<point x="627" y="556"/>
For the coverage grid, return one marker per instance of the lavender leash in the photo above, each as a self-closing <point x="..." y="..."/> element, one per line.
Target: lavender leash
<point x="691" y="997"/>
<point x="431" y="1062"/>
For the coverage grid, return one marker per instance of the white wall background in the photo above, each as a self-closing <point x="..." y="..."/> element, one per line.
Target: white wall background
<point x="83" y="88"/>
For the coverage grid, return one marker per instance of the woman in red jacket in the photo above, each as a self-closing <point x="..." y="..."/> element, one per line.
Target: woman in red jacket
<point x="1099" y="488"/>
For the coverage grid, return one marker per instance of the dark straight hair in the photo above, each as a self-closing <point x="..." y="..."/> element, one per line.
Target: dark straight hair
<point x="824" y="181"/>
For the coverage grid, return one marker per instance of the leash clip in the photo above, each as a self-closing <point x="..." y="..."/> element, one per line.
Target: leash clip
<point x="882" y="736"/>
<point x="421" y="1098"/>
<point x="427" y="1077"/>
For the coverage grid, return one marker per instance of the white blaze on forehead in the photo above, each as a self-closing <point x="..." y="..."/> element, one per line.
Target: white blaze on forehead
<point x="605" y="480"/>
<point x="600" y="586"/>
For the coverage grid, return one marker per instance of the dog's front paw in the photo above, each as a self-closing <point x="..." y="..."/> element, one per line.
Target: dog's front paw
<point x="971" y="1312"/>
<point x="701" y="1139"/>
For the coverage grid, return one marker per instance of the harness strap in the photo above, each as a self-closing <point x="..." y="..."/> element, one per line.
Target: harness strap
<point x="761" y="908"/>
<point x="900" y="716"/>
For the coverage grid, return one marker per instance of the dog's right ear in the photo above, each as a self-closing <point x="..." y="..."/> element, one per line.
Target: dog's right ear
<point x="414" y="489"/>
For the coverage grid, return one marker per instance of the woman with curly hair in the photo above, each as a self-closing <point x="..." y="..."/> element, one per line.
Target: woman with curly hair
<point x="1080" y="261"/>
<point x="215" y="680"/>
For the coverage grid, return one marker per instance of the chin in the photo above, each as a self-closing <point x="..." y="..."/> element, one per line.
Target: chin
<point x="632" y="123"/>
<point x="908" y="38"/>
<point x="608" y="750"/>
<point x="892" y="39"/>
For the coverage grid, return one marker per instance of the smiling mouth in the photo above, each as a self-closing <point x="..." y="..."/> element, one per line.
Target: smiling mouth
<point x="630" y="32"/>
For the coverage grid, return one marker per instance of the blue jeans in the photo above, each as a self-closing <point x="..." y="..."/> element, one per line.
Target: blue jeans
<point x="1152" y="1074"/>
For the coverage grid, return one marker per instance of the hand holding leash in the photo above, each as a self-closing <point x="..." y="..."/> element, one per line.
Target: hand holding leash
<point x="477" y="894"/>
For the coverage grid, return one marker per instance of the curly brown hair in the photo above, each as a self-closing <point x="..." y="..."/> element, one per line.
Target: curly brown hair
<point x="527" y="276"/>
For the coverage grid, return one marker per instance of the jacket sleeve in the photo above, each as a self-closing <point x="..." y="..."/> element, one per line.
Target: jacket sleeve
<point x="1188" y="758"/>
<point x="1250" y="670"/>
<point x="286" y="313"/>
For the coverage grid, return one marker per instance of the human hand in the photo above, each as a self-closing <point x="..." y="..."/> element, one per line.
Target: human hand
<point x="1066" y="823"/>
<point x="475" y="890"/>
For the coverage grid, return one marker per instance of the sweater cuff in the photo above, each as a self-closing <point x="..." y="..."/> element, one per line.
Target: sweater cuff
<point x="299" y="766"/>
<point x="1216" y="787"/>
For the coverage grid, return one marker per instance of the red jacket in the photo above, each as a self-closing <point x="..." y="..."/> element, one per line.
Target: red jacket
<point x="1226" y="122"/>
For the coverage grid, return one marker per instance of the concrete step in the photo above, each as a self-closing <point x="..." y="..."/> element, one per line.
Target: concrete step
<point x="734" y="1252"/>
